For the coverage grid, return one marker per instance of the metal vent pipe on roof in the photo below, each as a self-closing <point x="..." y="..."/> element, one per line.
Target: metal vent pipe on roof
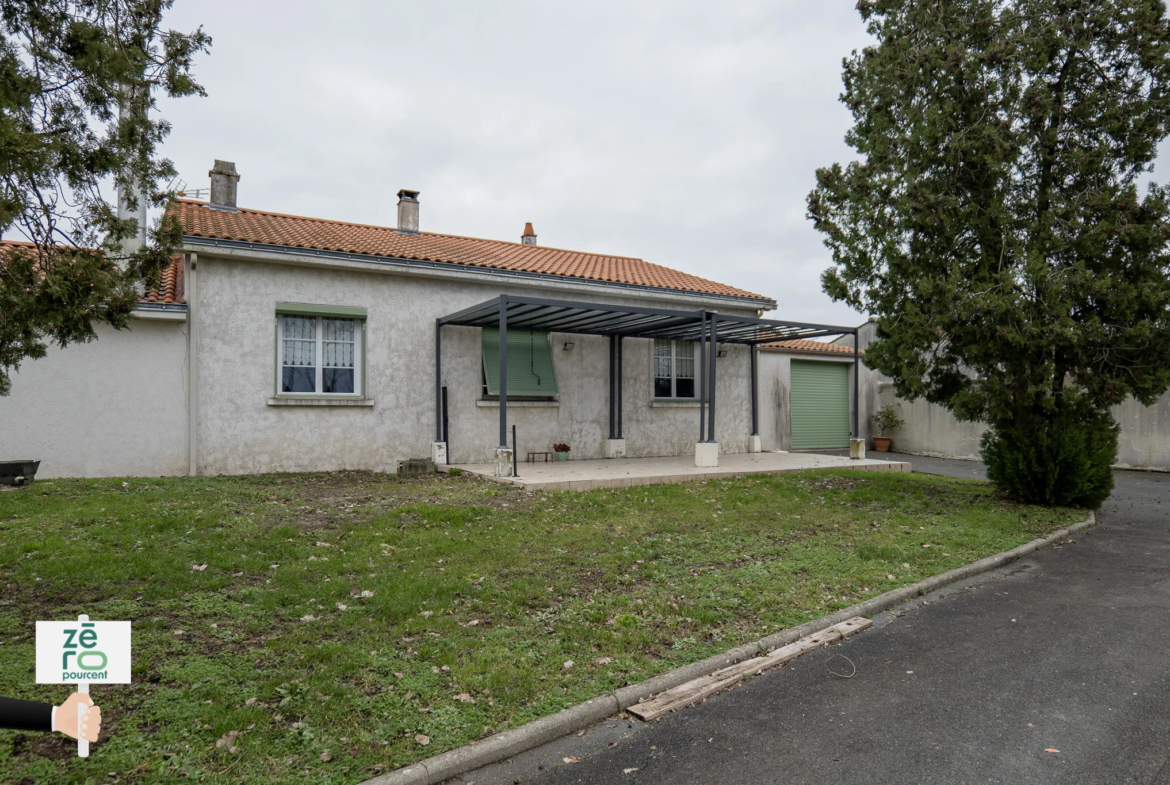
<point x="223" y="186"/>
<point x="407" y="212"/>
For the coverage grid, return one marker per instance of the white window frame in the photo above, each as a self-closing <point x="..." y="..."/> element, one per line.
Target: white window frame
<point x="359" y="354"/>
<point x="674" y="353"/>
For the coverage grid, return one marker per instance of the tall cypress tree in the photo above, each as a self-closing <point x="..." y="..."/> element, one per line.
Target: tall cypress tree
<point x="77" y="80"/>
<point x="994" y="222"/>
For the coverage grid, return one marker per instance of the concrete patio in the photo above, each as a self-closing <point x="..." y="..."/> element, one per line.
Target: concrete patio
<point x="625" y="472"/>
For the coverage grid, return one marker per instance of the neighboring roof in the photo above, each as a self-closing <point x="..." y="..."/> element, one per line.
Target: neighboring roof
<point x="170" y="285"/>
<point x="256" y="226"/>
<point x="805" y="346"/>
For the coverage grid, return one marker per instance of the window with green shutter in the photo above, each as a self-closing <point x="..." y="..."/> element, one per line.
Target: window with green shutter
<point x="530" y="365"/>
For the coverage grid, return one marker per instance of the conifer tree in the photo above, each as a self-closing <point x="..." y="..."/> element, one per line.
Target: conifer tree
<point x="995" y="224"/>
<point x="77" y="86"/>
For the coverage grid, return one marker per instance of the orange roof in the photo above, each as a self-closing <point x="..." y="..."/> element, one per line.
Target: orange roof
<point x="256" y="226"/>
<point x="805" y="345"/>
<point x="170" y="285"/>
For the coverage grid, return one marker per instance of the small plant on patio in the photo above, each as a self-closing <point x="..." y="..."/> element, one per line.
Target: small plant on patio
<point x="562" y="451"/>
<point x="885" y="419"/>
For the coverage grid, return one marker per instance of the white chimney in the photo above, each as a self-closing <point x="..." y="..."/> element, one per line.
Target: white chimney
<point x="137" y="212"/>
<point x="407" y="212"/>
<point x="529" y="236"/>
<point x="132" y="191"/>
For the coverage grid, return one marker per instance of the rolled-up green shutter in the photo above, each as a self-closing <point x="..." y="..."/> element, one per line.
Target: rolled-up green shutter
<point x="530" y="365"/>
<point x="819" y="402"/>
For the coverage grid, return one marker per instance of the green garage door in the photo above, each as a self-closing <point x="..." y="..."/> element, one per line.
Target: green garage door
<point x="820" y="405"/>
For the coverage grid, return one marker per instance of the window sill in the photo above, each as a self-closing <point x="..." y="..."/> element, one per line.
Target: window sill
<point x="320" y="401"/>
<point x="520" y="404"/>
<point x="664" y="403"/>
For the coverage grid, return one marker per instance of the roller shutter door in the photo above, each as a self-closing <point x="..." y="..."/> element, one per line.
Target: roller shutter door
<point x="820" y="405"/>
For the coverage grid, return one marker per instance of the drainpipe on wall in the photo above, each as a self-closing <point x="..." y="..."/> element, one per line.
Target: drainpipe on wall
<point x="192" y="368"/>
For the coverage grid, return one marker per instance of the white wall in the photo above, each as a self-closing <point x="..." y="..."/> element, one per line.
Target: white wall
<point x="775" y="379"/>
<point x="239" y="432"/>
<point x="112" y="407"/>
<point x="930" y="429"/>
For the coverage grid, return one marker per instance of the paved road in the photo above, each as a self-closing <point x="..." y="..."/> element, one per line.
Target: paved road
<point x="1068" y="650"/>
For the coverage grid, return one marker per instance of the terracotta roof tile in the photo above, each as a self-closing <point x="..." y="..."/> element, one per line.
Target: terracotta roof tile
<point x="170" y="285"/>
<point x="170" y="288"/>
<point x="805" y="345"/>
<point x="256" y="226"/>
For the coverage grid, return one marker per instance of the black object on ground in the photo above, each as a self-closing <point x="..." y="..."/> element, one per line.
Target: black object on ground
<point x="18" y="472"/>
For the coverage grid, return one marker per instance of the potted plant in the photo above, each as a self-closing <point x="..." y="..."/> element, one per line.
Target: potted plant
<point x="885" y="419"/>
<point x="562" y="451"/>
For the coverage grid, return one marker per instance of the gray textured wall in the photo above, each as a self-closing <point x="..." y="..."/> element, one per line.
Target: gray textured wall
<point x="775" y="372"/>
<point x="114" y="407"/>
<point x="240" y="433"/>
<point x="775" y="376"/>
<point x="932" y="430"/>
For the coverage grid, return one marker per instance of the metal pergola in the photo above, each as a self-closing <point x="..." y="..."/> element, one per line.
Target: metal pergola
<point x="617" y="322"/>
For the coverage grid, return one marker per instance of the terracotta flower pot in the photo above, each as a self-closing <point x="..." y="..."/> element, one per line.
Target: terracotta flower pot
<point x="882" y="443"/>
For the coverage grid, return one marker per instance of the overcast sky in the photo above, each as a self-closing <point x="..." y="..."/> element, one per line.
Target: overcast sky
<point x="684" y="133"/>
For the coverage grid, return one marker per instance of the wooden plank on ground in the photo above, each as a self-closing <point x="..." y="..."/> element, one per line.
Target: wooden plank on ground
<point x="703" y="687"/>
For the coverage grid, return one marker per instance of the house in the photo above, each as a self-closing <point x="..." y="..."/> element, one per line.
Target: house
<point x="281" y="343"/>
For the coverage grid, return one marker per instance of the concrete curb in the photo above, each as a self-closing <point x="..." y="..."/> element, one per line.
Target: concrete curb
<point x="510" y="743"/>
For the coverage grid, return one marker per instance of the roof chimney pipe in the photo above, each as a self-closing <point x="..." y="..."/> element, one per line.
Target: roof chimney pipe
<point x="407" y="212"/>
<point x="223" y="186"/>
<point x="529" y="236"/>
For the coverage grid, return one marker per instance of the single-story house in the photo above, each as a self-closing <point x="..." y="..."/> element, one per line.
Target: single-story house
<point x="281" y="343"/>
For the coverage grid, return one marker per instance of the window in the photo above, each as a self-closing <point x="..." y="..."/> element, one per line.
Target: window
<point x="674" y="368"/>
<point x="319" y="351"/>
<point x="530" y="366"/>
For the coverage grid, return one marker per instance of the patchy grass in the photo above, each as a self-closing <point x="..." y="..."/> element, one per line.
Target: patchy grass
<point x="342" y="618"/>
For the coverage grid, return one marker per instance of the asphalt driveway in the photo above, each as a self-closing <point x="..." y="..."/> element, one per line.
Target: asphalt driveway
<point x="1055" y="669"/>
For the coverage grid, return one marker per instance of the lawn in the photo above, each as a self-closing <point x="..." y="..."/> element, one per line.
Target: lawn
<point x="328" y="627"/>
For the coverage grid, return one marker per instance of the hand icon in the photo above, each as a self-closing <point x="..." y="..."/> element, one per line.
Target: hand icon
<point x="65" y="720"/>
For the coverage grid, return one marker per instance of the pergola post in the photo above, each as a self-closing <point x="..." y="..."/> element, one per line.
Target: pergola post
<point x="613" y="387"/>
<point x="856" y="444"/>
<point x="503" y="452"/>
<point x="754" y="444"/>
<point x="615" y="445"/>
<point x="707" y="450"/>
<point x="712" y="347"/>
<point x="439" y="446"/>
<point x="621" y="357"/>
<point x="703" y="379"/>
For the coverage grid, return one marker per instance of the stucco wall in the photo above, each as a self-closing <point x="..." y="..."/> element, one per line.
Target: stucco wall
<point x="930" y="429"/>
<point x="112" y="407"/>
<point x="240" y="433"/>
<point x="775" y="379"/>
<point x="1145" y="434"/>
